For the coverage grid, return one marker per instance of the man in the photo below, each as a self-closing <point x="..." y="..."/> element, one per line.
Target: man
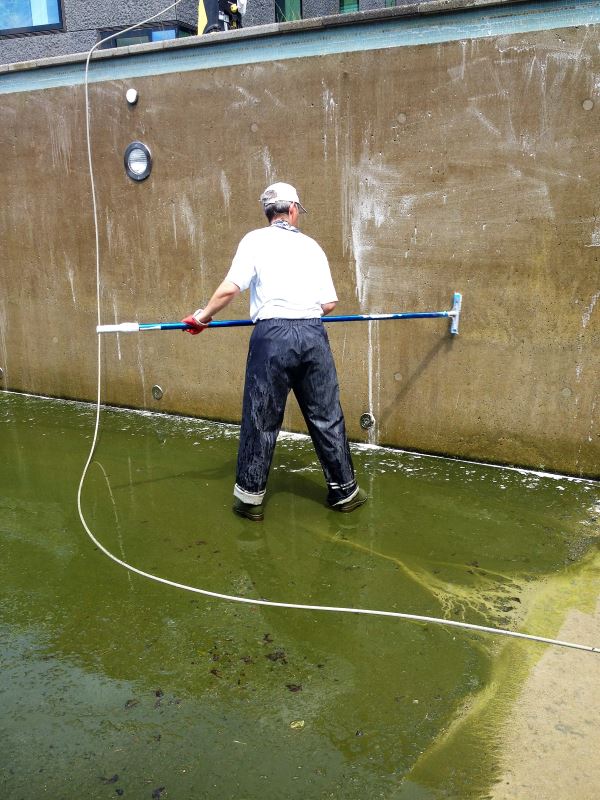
<point x="290" y="289"/>
<point x="220" y="15"/>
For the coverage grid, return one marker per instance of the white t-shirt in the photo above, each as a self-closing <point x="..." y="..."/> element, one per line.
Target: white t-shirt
<point x="287" y="272"/>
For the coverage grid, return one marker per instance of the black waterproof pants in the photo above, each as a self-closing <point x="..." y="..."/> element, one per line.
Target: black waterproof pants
<point x="291" y="354"/>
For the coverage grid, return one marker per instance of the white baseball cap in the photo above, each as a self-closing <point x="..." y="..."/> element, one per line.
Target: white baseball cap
<point x="280" y="193"/>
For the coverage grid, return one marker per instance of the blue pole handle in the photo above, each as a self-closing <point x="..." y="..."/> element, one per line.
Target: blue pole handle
<point x="130" y="327"/>
<point x="240" y="323"/>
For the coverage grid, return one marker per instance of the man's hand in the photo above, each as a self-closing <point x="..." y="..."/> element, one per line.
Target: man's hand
<point x="196" y="326"/>
<point x="199" y="320"/>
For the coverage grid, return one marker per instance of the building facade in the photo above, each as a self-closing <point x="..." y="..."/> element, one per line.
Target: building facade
<point x="32" y="29"/>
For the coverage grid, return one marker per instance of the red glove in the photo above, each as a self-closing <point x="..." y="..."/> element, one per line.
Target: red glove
<point x="196" y="327"/>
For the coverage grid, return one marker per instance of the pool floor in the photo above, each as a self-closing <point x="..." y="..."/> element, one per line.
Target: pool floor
<point x="115" y="685"/>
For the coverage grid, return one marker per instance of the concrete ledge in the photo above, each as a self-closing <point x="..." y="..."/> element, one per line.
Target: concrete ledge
<point x="408" y="9"/>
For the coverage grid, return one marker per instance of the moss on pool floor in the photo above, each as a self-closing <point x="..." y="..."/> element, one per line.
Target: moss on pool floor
<point x="115" y="685"/>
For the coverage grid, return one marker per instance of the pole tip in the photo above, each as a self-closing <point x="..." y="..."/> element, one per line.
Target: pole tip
<point x="455" y="313"/>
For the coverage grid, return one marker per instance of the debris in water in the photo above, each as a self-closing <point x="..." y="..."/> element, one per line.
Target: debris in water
<point x="277" y="655"/>
<point x="294" y="687"/>
<point x="112" y="779"/>
<point x="297" y="724"/>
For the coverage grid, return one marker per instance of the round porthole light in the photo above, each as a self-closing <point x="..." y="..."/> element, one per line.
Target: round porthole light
<point x="138" y="161"/>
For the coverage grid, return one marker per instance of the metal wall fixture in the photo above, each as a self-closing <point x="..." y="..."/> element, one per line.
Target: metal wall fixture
<point x="138" y="161"/>
<point x="131" y="95"/>
<point x="367" y="421"/>
<point x="157" y="392"/>
<point x="1" y="373"/>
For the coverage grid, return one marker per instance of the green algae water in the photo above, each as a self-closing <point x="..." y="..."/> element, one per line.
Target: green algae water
<point x="113" y="685"/>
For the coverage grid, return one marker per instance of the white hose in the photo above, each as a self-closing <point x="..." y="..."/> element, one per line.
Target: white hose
<point x="206" y="592"/>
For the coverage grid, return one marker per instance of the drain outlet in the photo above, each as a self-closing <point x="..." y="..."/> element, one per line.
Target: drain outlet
<point x="367" y="421"/>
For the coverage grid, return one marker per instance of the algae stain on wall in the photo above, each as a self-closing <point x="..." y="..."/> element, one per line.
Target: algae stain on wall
<point x="61" y="145"/>
<point x="366" y="207"/>
<point x="3" y="346"/>
<point x="225" y="190"/>
<point x="581" y="372"/>
<point x="331" y="124"/>
<point x="368" y="192"/>
<point x="374" y="379"/>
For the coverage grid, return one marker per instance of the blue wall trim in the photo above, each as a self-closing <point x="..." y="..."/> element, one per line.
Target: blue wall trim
<point x="369" y="35"/>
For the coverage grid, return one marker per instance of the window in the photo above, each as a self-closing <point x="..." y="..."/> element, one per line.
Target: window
<point x="30" y="16"/>
<point x="288" y="10"/>
<point x="347" y="6"/>
<point x="156" y="33"/>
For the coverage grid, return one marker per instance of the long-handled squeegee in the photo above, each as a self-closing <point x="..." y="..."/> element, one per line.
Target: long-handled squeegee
<point x="135" y="327"/>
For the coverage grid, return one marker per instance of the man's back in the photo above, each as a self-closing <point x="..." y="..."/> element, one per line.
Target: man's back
<point x="287" y="272"/>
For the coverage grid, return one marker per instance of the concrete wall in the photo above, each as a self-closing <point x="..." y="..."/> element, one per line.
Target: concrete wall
<point x="468" y="165"/>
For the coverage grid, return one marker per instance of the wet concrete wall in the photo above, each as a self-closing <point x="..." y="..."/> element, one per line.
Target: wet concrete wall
<point x="468" y="165"/>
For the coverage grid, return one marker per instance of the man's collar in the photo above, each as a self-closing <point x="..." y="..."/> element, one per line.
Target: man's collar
<point x="283" y="223"/>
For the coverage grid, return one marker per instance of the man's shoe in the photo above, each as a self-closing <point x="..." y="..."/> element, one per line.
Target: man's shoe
<point x="248" y="510"/>
<point x="349" y="505"/>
